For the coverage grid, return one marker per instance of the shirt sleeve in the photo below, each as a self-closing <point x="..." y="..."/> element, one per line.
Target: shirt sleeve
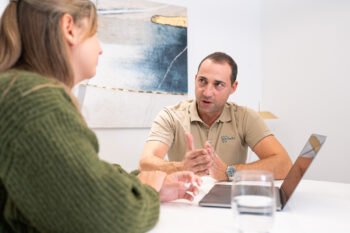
<point x="163" y="128"/>
<point x="255" y="128"/>
<point x="55" y="181"/>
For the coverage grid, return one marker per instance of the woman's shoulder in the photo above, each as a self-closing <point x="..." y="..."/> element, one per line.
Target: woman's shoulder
<point x="9" y="74"/>
<point x="24" y="92"/>
<point x="22" y="79"/>
<point x="20" y="85"/>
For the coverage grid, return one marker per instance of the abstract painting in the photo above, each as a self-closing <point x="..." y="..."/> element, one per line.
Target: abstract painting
<point x="143" y="66"/>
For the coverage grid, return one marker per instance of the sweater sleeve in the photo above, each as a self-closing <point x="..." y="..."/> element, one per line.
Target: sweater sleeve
<point x="55" y="181"/>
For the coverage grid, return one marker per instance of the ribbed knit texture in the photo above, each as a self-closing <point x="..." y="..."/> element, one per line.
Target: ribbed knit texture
<point x="51" y="179"/>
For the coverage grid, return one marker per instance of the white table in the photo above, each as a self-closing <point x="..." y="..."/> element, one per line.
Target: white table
<point x="316" y="206"/>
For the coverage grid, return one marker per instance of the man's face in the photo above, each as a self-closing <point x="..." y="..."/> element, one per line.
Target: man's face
<point x="213" y="87"/>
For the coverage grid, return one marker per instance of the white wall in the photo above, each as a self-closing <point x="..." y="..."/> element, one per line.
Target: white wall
<point x="3" y="4"/>
<point x="305" y="78"/>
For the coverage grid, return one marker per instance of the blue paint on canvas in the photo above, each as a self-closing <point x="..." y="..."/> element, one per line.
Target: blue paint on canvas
<point x="139" y="54"/>
<point x="164" y="61"/>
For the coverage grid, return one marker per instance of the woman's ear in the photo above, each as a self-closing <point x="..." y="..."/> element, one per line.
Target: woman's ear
<point x="68" y="29"/>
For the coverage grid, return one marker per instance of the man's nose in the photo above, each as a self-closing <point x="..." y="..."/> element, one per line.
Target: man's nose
<point x="208" y="90"/>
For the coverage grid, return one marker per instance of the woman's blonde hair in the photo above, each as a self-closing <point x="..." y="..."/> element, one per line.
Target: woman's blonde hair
<point x="31" y="37"/>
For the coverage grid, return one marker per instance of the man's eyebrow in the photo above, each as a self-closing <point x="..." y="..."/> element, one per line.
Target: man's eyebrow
<point x="219" y="81"/>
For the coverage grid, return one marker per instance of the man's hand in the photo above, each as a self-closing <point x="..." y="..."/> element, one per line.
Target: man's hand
<point x="218" y="169"/>
<point x="179" y="185"/>
<point x="198" y="161"/>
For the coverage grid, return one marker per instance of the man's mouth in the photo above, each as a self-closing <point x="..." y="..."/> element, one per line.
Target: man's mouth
<point x="206" y="101"/>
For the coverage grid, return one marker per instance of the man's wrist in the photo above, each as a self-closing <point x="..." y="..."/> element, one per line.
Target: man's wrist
<point x="179" y="166"/>
<point x="230" y="171"/>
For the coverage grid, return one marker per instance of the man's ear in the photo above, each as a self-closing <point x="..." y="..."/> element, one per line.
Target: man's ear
<point x="234" y="87"/>
<point x="68" y="29"/>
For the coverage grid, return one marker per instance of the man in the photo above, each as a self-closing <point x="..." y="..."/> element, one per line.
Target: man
<point x="222" y="130"/>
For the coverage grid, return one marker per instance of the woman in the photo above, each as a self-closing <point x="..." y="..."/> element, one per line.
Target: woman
<point x="51" y="179"/>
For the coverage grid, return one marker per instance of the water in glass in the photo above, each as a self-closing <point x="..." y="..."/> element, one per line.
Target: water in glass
<point x="253" y="202"/>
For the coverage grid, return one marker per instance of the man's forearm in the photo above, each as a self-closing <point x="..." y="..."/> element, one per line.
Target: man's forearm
<point x="279" y="165"/>
<point x="148" y="163"/>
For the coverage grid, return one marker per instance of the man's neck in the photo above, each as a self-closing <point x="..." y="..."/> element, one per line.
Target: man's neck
<point x="209" y="118"/>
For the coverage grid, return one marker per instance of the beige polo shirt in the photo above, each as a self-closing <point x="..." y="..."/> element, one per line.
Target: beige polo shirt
<point x="237" y="128"/>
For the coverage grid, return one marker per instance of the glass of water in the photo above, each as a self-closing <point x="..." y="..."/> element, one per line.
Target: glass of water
<point x="253" y="201"/>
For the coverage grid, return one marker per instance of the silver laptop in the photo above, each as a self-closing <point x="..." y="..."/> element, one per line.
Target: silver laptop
<point x="220" y="194"/>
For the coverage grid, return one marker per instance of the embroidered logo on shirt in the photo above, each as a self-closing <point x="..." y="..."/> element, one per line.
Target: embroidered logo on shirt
<point x="224" y="139"/>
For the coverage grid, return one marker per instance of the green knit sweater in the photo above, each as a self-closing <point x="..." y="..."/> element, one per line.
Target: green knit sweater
<point x="51" y="179"/>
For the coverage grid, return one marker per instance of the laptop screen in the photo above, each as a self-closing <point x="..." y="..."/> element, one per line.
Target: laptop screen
<point x="300" y="166"/>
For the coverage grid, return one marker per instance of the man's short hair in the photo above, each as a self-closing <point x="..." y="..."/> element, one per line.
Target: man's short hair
<point x="219" y="57"/>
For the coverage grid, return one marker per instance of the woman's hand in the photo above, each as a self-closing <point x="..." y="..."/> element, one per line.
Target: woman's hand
<point x="179" y="185"/>
<point x="152" y="178"/>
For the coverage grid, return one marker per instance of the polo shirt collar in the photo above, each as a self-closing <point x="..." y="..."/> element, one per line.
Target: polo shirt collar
<point x="224" y="117"/>
<point x="193" y="112"/>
